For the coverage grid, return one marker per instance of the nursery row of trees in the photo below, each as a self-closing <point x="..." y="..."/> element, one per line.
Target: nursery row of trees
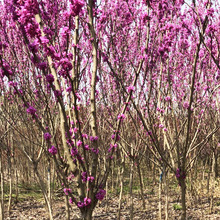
<point x="85" y="82"/>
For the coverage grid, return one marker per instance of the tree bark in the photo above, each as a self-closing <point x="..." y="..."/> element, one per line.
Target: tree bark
<point x="216" y="165"/>
<point x="2" y="189"/>
<point x="121" y="187"/>
<point x="183" y="198"/>
<point x="167" y="196"/>
<point x="10" y="185"/>
<point x="87" y="214"/>
<point x="131" y="186"/>
<point x="67" y="208"/>
<point x="42" y="185"/>
<point x="160" y="200"/>
<point x="141" y="185"/>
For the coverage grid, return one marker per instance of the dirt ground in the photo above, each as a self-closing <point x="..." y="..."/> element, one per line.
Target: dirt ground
<point x="35" y="209"/>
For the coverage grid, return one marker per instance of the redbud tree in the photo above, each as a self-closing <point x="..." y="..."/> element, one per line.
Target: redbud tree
<point x="96" y="64"/>
<point x="52" y="61"/>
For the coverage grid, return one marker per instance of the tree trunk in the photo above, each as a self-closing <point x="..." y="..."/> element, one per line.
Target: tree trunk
<point x="112" y="178"/>
<point x="67" y="208"/>
<point x="16" y="183"/>
<point x="131" y="186"/>
<point x="212" y="185"/>
<point x="43" y="188"/>
<point x="183" y="198"/>
<point x="49" y="183"/>
<point x="2" y="189"/>
<point x="154" y="174"/>
<point x="106" y="197"/>
<point x="141" y="185"/>
<point x="10" y="186"/>
<point x="167" y="196"/>
<point x="87" y="214"/>
<point x="160" y="200"/>
<point x="209" y="176"/>
<point x="106" y="186"/>
<point x="216" y="165"/>
<point x="121" y="187"/>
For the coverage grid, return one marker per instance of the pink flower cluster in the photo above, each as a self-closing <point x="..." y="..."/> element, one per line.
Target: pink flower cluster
<point x="75" y="7"/>
<point x="67" y="191"/>
<point x="112" y="147"/>
<point x="31" y="110"/>
<point x="93" y="138"/>
<point x="49" y="78"/>
<point x="53" y="150"/>
<point x="86" y="202"/>
<point x="121" y="117"/>
<point x="87" y="178"/>
<point x="130" y="88"/>
<point x="100" y="194"/>
<point x="47" y="136"/>
<point x="74" y="151"/>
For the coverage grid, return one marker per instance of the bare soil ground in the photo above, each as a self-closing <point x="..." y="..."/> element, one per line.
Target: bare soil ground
<point x="198" y="207"/>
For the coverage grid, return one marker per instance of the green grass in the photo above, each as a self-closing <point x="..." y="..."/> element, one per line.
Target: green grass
<point x="177" y="207"/>
<point x="151" y="192"/>
<point x="25" y="192"/>
<point x="22" y="196"/>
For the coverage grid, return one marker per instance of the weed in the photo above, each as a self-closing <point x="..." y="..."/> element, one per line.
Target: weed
<point x="177" y="207"/>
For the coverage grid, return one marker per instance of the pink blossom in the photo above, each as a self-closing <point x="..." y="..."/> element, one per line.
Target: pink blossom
<point x="71" y="201"/>
<point x="47" y="136"/>
<point x="75" y="130"/>
<point x="57" y="93"/>
<point x="161" y="126"/>
<point x="130" y="88"/>
<point x="85" y="136"/>
<point x="49" y="78"/>
<point x="90" y="178"/>
<point x="186" y="105"/>
<point x="31" y="110"/>
<point x="69" y="89"/>
<point x="74" y="151"/>
<point x="167" y="98"/>
<point x="101" y="194"/>
<point x="44" y="40"/>
<point x="42" y="65"/>
<point x="53" y="150"/>
<point x="95" y="138"/>
<point x="96" y="151"/>
<point x="121" y="117"/>
<point x="79" y="143"/>
<point x="87" y="201"/>
<point x="76" y="7"/>
<point x="70" y="177"/>
<point x="86" y="147"/>
<point x="84" y="176"/>
<point x="80" y="204"/>
<point x="67" y="191"/>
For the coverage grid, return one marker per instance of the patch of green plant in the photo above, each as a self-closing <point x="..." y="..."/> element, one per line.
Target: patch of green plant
<point x="177" y="207"/>
<point x="126" y="189"/>
<point x="137" y="187"/>
<point x="6" y="187"/>
<point x="22" y="196"/>
<point x="218" y="203"/>
<point x="151" y="192"/>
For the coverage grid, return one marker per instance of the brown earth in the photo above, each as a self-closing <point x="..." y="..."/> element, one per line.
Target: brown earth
<point x="198" y="207"/>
